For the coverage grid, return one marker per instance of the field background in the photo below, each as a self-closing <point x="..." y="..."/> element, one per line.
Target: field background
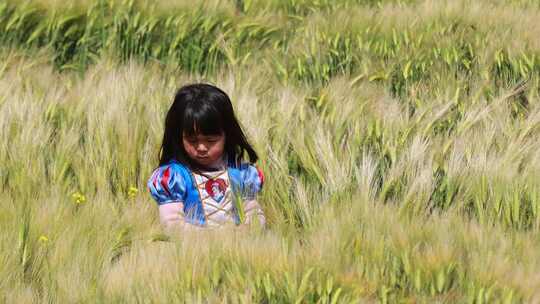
<point x="400" y="141"/>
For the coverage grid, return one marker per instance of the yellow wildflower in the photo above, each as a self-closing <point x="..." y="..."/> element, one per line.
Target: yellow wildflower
<point x="132" y="191"/>
<point x="43" y="239"/>
<point x="79" y="198"/>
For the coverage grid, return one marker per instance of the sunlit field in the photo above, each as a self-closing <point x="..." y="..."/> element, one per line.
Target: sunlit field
<point x="400" y="141"/>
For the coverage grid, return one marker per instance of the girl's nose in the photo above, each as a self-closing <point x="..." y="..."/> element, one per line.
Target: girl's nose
<point x="201" y="148"/>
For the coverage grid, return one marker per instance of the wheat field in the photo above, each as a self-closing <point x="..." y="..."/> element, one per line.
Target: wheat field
<point x="399" y="140"/>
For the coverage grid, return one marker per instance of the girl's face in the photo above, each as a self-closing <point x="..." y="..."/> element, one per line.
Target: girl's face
<point x="205" y="150"/>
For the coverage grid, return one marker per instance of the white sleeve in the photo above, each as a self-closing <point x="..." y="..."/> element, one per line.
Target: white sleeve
<point x="171" y="216"/>
<point x="252" y="210"/>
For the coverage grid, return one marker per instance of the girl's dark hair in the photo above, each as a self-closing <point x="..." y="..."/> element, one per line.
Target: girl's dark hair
<point x="202" y="108"/>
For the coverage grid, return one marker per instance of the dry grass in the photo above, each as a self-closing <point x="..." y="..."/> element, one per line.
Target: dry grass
<point x="386" y="182"/>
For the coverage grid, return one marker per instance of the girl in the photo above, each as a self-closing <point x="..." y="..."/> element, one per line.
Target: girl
<point x="202" y="179"/>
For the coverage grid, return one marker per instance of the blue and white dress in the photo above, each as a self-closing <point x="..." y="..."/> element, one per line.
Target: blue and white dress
<point x="209" y="197"/>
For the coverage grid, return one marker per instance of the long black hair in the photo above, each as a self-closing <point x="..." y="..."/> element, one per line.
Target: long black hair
<point x="206" y="109"/>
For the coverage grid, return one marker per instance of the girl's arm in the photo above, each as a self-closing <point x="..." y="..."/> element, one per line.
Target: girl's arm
<point x="254" y="212"/>
<point x="171" y="215"/>
<point x="253" y="182"/>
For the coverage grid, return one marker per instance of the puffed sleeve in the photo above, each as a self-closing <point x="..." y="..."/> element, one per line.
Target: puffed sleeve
<point x="166" y="185"/>
<point x="253" y="181"/>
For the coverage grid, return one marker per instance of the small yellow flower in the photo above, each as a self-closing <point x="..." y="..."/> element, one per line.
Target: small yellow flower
<point x="43" y="239"/>
<point x="78" y="198"/>
<point x="132" y="191"/>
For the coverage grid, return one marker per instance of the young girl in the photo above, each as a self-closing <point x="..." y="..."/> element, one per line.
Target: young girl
<point x="202" y="179"/>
